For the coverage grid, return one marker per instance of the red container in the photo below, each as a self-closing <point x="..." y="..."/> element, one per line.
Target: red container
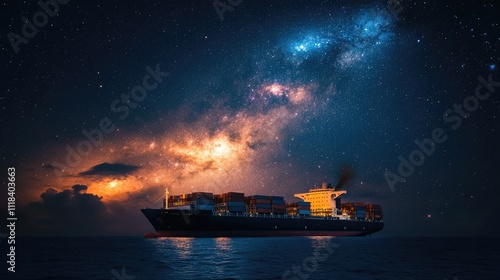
<point x="258" y="201"/>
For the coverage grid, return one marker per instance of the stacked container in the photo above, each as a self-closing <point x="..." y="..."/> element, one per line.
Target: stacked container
<point x="354" y="210"/>
<point x="178" y="200"/>
<point x="230" y="202"/>
<point x="278" y="205"/>
<point x="173" y="200"/>
<point x="299" y="208"/>
<point x="203" y="200"/>
<point x="373" y="212"/>
<point x="196" y="200"/>
<point x="260" y="204"/>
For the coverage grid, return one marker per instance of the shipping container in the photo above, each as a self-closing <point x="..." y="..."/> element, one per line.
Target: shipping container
<point x="299" y="203"/>
<point x="360" y="215"/>
<point x="266" y="206"/>
<point x="259" y="197"/>
<point x="236" y="209"/>
<point x="231" y="196"/>
<point x="231" y="203"/>
<point x="234" y="194"/>
<point x="238" y="199"/>
<point x="205" y="207"/>
<point x="204" y="202"/>
<point x="258" y="201"/>
<point x="304" y="212"/>
<point x="298" y="208"/>
<point x="351" y="204"/>
<point x="260" y="210"/>
<point x="236" y="203"/>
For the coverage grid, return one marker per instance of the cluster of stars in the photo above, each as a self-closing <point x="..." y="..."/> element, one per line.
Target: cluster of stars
<point x="349" y="39"/>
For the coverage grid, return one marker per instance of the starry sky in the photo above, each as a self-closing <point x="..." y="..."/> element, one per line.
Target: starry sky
<point x="272" y="98"/>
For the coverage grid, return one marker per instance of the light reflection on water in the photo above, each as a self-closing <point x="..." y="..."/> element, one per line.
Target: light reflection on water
<point x="182" y="246"/>
<point x="223" y="243"/>
<point x="239" y="258"/>
<point x="319" y="242"/>
<point x="223" y="252"/>
<point x="259" y="258"/>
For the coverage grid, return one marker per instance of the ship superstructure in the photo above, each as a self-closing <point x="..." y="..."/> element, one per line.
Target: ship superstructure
<point x="325" y="201"/>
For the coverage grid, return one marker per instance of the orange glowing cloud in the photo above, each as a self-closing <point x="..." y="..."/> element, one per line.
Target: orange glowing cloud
<point x="221" y="149"/>
<point x="295" y="94"/>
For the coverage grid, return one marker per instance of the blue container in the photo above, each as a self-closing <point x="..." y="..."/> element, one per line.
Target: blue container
<point x="360" y="214"/>
<point x="259" y="197"/>
<point x="236" y="209"/>
<point x="204" y="202"/>
<point x="266" y="206"/>
<point x="304" y="212"/>
<point x="278" y="202"/>
<point x="205" y="207"/>
<point x="236" y="203"/>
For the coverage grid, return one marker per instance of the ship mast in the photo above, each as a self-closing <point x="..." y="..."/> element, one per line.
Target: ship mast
<point x="166" y="198"/>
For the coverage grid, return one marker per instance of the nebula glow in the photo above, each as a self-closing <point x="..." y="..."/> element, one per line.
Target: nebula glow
<point x="197" y="155"/>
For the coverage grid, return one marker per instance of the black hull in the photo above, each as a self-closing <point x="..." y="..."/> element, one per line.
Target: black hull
<point x="183" y="223"/>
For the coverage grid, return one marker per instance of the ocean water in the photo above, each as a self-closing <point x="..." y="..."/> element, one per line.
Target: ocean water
<point x="256" y="258"/>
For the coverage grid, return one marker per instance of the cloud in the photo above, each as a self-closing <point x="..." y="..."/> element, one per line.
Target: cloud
<point x="53" y="200"/>
<point x="74" y="211"/>
<point x="61" y="212"/>
<point x="110" y="169"/>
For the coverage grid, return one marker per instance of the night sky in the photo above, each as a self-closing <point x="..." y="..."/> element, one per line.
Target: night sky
<point x="274" y="99"/>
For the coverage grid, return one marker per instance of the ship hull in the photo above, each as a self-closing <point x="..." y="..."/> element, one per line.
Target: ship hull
<point x="183" y="223"/>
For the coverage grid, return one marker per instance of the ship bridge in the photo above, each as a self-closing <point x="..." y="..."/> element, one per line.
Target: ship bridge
<point x="325" y="201"/>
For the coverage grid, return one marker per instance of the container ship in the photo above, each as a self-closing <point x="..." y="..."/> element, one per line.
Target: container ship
<point x="319" y="213"/>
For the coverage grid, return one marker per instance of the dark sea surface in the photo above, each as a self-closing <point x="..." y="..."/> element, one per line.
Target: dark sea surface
<point x="256" y="258"/>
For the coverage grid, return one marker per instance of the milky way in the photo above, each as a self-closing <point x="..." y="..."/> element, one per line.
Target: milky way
<point x="223" y="149"/>
<point x="232" y="149"/>
<point x="351" y="38"/>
